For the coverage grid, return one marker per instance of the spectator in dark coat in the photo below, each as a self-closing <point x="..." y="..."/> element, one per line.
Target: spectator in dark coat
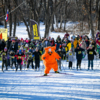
<point x="46" y="43"/>
<point x="79" y="56"/>
<point x="3" y="44"/>
<point x="58" y="45"/>
<point x="58" y="38"/>
<point x="16" y="45"/>
<point x="87" y="42"/>
<point x="8" y="43"/>
<point x="91" y="54"/>
<point x="12" y="46"/>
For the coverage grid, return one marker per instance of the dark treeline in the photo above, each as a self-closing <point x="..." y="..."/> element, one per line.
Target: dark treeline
<point x="50" y="12"/>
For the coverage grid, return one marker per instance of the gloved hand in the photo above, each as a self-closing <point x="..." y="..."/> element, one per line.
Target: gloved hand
<point x="44" y="58"/>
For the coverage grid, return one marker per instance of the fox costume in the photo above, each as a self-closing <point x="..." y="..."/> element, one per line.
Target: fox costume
<point x="49" y="59"/>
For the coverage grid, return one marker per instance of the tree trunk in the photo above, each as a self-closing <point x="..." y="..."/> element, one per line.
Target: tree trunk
<point x="56" y="21"/>
<point x="14" y="31"/>
<point x="47" y="27"/>
<point x="65" y="15"/>
<point x="99" y="18"/>
<point x="4" y="7"/>
<point x="10" y="19"/>
<point x="91" y="22"/>
<point x="30" y="26"/>
<point x="52" y="26"/>
<point x="22" y="16"/>
<point x="61" y="22"/>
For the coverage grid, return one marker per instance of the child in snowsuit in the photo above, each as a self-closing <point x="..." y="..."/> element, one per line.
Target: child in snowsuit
<point x="70" y="58"/>
<point x="4" y="58"/>
<point x="91" y="54"/>
<point x="12" y="58"/>
<point x="59" y="61"/>
<point x="19" y="57"/>
<point x="30" y="58"/>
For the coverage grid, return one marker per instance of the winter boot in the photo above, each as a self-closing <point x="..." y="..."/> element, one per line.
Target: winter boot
<point x="80" y="67"/>
<point x="45" y="74"/>
<point x="56" y="72"/>
<point x="91" y="68"/>
<point x="88" y="68"/>
<point x="77" y="68"/>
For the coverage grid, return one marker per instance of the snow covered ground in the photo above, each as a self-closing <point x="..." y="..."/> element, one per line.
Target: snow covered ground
<point x="30" y="85"/>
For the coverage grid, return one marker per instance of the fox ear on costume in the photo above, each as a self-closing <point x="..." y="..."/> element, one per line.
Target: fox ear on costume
<point x="47" y="48"/>
<point x="54" y="47"/>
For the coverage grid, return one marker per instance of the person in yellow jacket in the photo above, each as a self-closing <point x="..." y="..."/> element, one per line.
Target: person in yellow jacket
<point x="68" y="47"/>
<point x="75" y="43"/>
<point x="79" y="41"/>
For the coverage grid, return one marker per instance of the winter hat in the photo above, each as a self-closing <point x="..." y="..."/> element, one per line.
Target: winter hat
<point x="13" y="40"/>
<point x="26" y="41"/>
<point x="30" y="50"/>
<point x="26" y="45"/>
<point x="21" y="38"/>
<point x="20" y="51"/>
<point x="5" y="49"/>
<point x="90" y="46"/>
<point x="59" y="49"/>
<point x="21" y="48"/>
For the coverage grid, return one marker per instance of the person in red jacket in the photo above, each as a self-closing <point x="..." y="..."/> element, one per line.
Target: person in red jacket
<point x="19" y="57"/>
<point x="66" y="35"/>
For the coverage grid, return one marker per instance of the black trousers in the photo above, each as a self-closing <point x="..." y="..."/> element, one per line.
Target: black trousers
<point x="19" y="64"/>
<point x="4" y="63"/>
<point x="13" y="61"/>
<point x="78" y="63"/>
<point x="70" y="64"/>
<point x="64" y="55"/>
<point x="37" y="64"/>
<point x="30" y="61"/>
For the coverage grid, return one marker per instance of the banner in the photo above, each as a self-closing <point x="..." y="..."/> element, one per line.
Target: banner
<point x="3" y="33"/>
<point x="35" y="30"/>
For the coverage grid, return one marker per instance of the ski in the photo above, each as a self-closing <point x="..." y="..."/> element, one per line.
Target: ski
<point x="62" y="73"/>
<point x="65" y="73"/>
<point x="43" y="76"/>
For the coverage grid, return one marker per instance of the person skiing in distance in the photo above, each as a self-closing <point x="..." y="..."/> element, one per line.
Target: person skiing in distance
<point x="79" y="56"/>
<point x="91" y="54"/>
<point x="37" y="55"/>
<point x="4" y="58"/>
<point x="30" y="58"/>
<point x="59" y="61"/>
<point x="19" y="57"/>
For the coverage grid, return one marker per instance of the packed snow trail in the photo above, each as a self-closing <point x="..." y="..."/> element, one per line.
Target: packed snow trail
<point x="26" y="85"/>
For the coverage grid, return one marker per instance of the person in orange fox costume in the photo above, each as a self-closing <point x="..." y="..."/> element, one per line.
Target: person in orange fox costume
<point x="49" y="59"/>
